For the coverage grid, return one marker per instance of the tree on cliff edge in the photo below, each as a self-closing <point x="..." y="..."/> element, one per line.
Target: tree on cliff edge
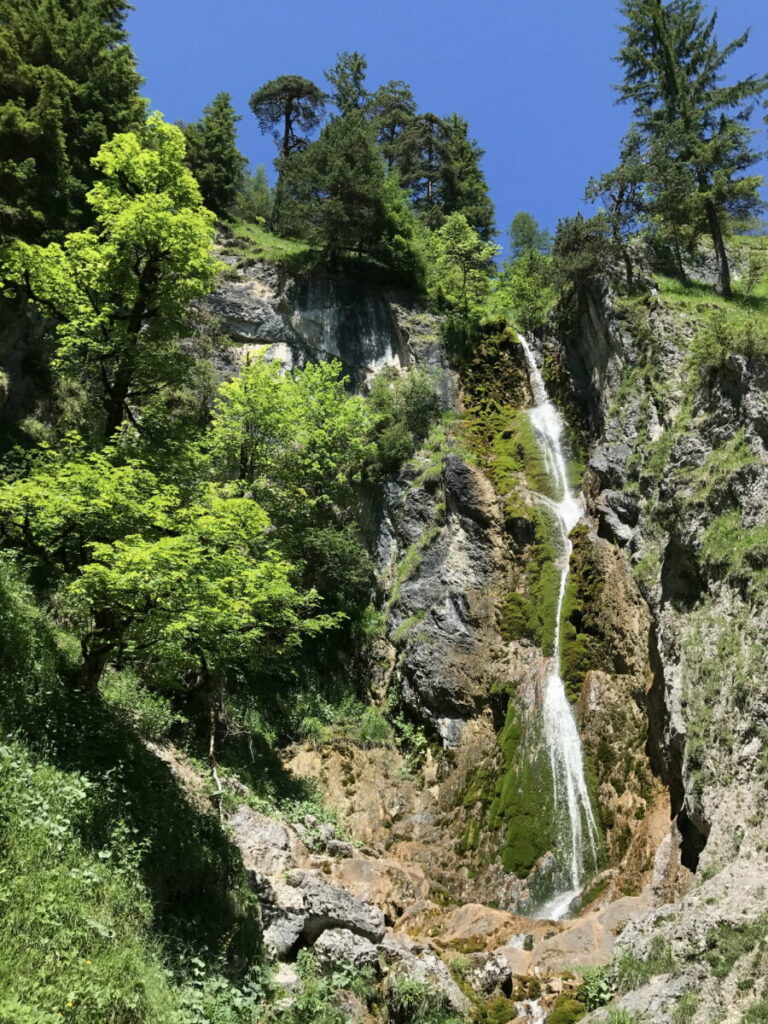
<point x="672" y="77"/>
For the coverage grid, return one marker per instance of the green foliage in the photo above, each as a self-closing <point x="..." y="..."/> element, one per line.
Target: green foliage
<point x="404" y="407"/>
<point x="213" y="156"/>
<point x="523" y="292"/>
<point x="466" y="189"/>
<point x="527" y="236"/>
<point x="462" y="263"/>
<point x="286" y="106"/>
<point x="566" y="1010"/>
<point x="121" y="289"/>
<point x="148" y="712"/>
<point x="68" y="81"/>
<point x="633" y="971"/>
<point x="375" y="730"/>
<point x="75" y="927"/>
<point x="256" y="243"/>
<point x="254" y="199"/>
<point x="413" y="1002"/>
<point x="347" y="79"/>
<point x="314" y="1004"/>
<point x="694" y="129"/>
<point x="598" y="986"/>
<point x="727" y="943"/>
<point x="583" y="251"/>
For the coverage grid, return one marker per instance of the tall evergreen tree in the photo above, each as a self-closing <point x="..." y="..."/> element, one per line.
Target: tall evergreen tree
<point x="334" y="192"/>
<point x="425" y="166"/>
<point x="467" y="189"/>
<point x="391" y="109"/>
<point x="347" y="79"/>
<point x="68" y="83"/>
<point x="527" y="235"/>
<point x="673" y="74"/>
<point x="213" y="156"/>
<point x="288" y="108"/>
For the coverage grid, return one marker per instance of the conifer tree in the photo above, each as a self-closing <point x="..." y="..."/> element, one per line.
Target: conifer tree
<point x="466" y="187"/>
<point x="347" y="79"/>
<point x="68" y="83"/>
<point x="527" y="235"/>
<point x="391" y="109"/>
<point x="673" y="74"/>
<point x="333" y="193"/>
<point x="425" y="166"/>
<point x="213" y="156"/>
<point x="288" y="108"/>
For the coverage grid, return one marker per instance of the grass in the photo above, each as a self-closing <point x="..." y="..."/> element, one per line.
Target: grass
<point x="255" y="242"/>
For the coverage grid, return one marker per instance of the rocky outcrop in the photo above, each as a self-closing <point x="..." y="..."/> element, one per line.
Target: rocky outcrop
<point x="311" y="317"/>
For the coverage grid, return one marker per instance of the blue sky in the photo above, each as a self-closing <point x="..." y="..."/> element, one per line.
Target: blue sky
<point x="533" y="77"/>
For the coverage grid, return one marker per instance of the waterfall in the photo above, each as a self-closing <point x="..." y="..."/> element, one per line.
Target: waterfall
<point x="576" y="831"/>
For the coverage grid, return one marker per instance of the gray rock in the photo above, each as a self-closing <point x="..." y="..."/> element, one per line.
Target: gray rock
<point x="421" y="964"/>
<point x="463" y="491"/>
<point x="326" y="906"/>
<point x="265" y="844"/>
<point x="488" y="972"/>
<point x="287" y="978"/>
<point x="341" y="946"/>
<point x="609" y="463"/>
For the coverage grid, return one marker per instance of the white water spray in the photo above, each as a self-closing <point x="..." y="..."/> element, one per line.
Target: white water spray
<point x="575" y="823"/>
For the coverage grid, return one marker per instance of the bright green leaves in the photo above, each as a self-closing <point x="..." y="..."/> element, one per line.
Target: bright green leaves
<point x="121" y="289"/>
<point x="299" y="441"/>
<point x="462" y="262"/>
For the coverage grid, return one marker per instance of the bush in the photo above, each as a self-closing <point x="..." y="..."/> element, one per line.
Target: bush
<point x="375" y="730"/>
<point x="413" y="1002"/>
<point x="149" y="713"/>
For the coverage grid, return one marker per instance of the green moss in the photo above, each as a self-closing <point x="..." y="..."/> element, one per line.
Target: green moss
<point x="522" y="801"/>
<point x="500" y="1010"/>
<point x="566" y="1010"/>
<point x="583" y="646"/>
<point x="405" y="627"/>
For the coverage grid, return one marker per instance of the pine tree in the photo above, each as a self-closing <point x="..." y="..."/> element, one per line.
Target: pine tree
<point x="213" y="156"/>
<point x="347" y="79"/>
<point x="333" y="193"/>
<point x="527" y="235"/>
<point x="673" y="73"/>
<point x="68" y="83"/>
<point x="285" y="107"/>
<point x="425" y="166"/>
<point x="391" y="109"/>
<point x="467" y="189"/>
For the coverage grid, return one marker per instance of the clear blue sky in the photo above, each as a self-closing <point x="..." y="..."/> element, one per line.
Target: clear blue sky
<point x="532" y="77"/>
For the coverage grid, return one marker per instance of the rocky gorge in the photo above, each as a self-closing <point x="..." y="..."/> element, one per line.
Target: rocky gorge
<point x="439" y="859"/>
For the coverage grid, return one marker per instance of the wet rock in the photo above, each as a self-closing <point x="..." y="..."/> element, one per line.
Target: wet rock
<point x="467" y="491"/>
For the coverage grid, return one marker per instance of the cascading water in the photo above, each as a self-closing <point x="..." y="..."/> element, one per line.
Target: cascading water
<point x="576" y="831"/>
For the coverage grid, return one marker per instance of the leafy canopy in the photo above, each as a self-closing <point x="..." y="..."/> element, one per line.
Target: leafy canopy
<point x="121" y="289"/>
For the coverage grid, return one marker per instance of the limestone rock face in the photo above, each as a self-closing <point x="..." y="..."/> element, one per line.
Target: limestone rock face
<point x="316" y="316"/>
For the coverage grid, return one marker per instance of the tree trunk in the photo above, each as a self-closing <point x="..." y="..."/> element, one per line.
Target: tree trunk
<point x="721" y="253"/>
<point x="628" y="268"/>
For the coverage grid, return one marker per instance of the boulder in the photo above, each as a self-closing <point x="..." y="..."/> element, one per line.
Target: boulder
<point x="422" y="964"/>
<point x="265" y="844"/>
<point x="341" y="946"/>
<point x="326" y="906"/>
<point x="488" y="972"/>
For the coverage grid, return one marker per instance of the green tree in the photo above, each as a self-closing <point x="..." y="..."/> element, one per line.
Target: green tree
<point x="347" y="80"/>
<point x="288" y="108"/>
<point x="425" y="167"/>
<point x="333" y="194"/>
<point x="391" y="109"/>
<point x="673" y="74"/>
<point x="527" y="235"/>
<point x="121" y="289"/>
<point x="463" y="262"/>
<point x="68" y="82"/>
<point x="254" y="199"/>
<point x="466" y="188"/>
<point x="213" y="156"/>
<point x="623" y="196"/>
<point x="523" y="292"/>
